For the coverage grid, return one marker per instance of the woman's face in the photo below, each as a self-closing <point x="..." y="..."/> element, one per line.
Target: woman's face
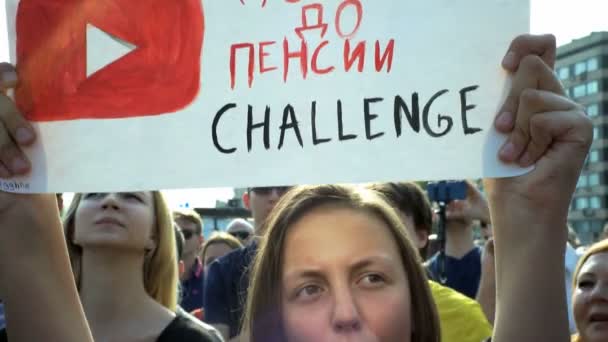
<point x="590" y="299"/>
<point x="343" y="280"/>
<point x="116" y="220"/>
<point x="215" y="251"/>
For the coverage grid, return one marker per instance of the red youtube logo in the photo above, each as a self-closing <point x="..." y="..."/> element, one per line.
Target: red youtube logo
<point x="106" y="59"/>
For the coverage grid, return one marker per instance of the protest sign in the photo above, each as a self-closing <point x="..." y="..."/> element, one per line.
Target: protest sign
<point x="130" y="94"/>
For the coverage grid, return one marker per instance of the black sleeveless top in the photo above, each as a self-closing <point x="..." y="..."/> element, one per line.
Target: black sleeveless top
<point x="182" y="329"/>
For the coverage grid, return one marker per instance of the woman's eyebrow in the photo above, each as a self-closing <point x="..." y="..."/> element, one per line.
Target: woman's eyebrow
<point x="303" y="273"/>
<point x="383" y="260"/>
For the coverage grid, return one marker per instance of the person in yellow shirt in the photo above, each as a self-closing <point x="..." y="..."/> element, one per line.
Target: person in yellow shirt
<point x="461" y="318"/>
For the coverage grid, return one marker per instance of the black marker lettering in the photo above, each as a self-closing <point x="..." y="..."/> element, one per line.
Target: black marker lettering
<point x="264" y="124"/>
<point x="289" y="114"/>
<point x="216" y="121"/>
<point x="440" y="118"/>
<point x="369" y="117"/>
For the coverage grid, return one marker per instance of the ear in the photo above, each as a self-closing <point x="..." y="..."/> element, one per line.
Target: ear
<point x="246" y="200"/>
<point x="181" y="268"/>
<point x="150" y="245"/>
<point x="72" y="237"/>
<point x="423" y="238"/>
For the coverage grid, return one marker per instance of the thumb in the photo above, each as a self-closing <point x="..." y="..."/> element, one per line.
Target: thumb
<point x="8" y="77"/>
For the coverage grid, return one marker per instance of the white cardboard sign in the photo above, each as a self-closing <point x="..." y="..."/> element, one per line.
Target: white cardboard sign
<point x="182" y="94"/>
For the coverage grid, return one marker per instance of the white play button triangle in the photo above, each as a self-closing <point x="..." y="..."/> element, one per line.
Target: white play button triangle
<point x="103" y="49"/>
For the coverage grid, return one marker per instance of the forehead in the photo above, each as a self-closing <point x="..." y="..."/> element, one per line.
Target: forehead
<point x="596" y="263"/>
<point x="217" y="247"/>
<point x="253" y="195"/>
<point x="185" y="222"/>
<point x="146" y="194"/>
<point x="331" y="232"/>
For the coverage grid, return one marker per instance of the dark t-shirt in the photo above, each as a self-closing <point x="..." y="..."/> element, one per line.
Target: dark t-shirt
<point x="192" y="288"/>
<point x="462" y="274"/>
<point x="182" y="329"/>
<point x="226" y="285"/>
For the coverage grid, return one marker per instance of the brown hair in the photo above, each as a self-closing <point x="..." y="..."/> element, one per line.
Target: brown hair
<point x="221" y="237"/>
<point x="410" y="199"/>
<point x="263" y="318"/>
<point x="600" y="247"/>
<point x="160" y="267"/>
<point x="190" y="216"/>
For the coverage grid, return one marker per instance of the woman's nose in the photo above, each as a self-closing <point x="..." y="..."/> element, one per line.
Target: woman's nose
<point x="110" y="201"/>
<point x="600" y="292"/>
<point x="346" y="314"/>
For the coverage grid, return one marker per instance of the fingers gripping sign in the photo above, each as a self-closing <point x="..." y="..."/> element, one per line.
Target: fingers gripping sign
<point x="535" y="90"/>
<point x="550" y="131"/>
<point x="8" y="77"/>
<point x="521" y="47"/>
<point x="17" y="131"/>
<point x="527" y="44"/>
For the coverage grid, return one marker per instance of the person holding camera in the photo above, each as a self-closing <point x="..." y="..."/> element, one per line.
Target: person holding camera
<point x="462" y="269"/>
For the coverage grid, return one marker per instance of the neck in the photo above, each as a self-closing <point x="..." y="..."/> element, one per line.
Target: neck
<point x="459" y="239"/>
<point x="257" y="229"/>
<point x="189" y="260"/>
<point x="104" y="272"/>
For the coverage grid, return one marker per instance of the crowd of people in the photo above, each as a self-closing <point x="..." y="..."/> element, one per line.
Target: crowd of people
<point x="318" y="262"/>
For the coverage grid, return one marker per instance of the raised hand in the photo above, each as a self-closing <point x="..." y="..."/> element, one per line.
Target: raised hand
<point x="529" y="212"/>
<point x="473" y="207"/>
<point x="15" y="132"/>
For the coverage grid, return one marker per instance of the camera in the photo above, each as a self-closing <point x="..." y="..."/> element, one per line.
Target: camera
<point x="446" y="191"/>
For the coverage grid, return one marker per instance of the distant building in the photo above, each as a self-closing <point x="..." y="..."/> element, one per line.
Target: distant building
<point x="218" y="218"/>
<point x="582" y="66"/>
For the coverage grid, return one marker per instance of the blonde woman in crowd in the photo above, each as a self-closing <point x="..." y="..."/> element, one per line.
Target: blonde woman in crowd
<point x="590" y="295"/>
<point x="218" y="245"/>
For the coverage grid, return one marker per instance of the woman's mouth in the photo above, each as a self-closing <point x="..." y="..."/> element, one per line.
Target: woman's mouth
<point x="110" y="221"/>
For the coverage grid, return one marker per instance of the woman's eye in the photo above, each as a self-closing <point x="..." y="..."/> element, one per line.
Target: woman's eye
<point x="309" y="292"/>
<point x="585" y="284"/>
<point x="133" y="196"/>
<point x="372" y="280"/>
<point x="92" y="195"/>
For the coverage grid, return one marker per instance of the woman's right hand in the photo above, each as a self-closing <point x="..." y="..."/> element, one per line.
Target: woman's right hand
<point x="15" y="131"/>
